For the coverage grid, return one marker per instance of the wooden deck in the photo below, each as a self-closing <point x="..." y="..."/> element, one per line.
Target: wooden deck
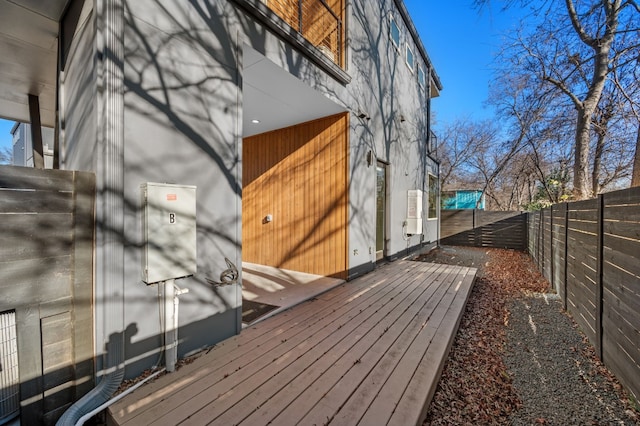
<point x="368" y="352"/>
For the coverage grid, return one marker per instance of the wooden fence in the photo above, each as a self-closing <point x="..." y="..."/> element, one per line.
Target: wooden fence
<point x="590" y="253"/>
<point x="480" y="228"/>
<point x="46" y="283"/>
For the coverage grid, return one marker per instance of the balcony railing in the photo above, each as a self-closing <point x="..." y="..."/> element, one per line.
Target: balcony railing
<point x="316" y="21"/>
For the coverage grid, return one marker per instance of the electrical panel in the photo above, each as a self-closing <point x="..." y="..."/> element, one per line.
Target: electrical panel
<point x="169" y="227"/>
<point x="414" y="212"/>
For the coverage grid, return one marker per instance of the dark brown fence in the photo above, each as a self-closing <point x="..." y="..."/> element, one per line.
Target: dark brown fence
<point x="46" y="283"/>
<point x="590" y="253"/>
<point x="480" y="228"/>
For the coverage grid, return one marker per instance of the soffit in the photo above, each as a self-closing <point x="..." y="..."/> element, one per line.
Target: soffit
<point x="28" y="57"/>
<point x="276" y="98"/>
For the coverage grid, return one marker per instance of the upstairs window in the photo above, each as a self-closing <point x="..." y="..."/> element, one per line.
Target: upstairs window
<point x="394" y="33"/>
<point x="421" y="77"/>
<point x="410" y="58"/>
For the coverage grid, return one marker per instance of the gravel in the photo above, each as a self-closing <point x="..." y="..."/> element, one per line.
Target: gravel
<point x="554" y="369"/>
<point x="518" y="358"/>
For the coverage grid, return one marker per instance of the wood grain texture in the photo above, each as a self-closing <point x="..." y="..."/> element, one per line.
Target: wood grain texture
<point x="595" y="249"/>
<point x="479" y="228"/>
<point x="298" y="175"/>
<point x="46" y="276"/>
<point x="378" y="341"/>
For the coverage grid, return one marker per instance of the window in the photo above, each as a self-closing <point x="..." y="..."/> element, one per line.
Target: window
<point x="421" y="76"/>
<point x="394" y="33"/>
<point x="433" y="197"/>
<point x="410" y="58"/>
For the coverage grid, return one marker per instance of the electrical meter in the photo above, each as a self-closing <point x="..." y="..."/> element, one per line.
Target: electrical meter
<point x="169" y="226"/>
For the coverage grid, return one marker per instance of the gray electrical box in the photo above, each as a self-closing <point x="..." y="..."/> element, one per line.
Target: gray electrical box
<point x="169" y="226"/>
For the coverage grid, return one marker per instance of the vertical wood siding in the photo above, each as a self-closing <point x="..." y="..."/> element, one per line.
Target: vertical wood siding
<point x="299" y="176"/>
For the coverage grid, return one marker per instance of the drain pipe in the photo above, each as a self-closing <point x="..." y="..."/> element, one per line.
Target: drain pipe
<point x="97" y="396"/>
<point x="171" y="304"/>
<point x="115" y="399"/>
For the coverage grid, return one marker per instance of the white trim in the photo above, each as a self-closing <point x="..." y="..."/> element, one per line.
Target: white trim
<point x="392" y="23"/>
<point x="422" y="83"/>
<point x="412" y="65"/>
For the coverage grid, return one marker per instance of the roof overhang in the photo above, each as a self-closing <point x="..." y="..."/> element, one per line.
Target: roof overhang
<point x="28" y="57"/>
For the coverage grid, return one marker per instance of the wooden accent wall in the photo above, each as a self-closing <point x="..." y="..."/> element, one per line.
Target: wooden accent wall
<point x="299" y="176"/>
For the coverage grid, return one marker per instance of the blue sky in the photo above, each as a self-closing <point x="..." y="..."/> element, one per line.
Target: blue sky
<point x="460" y="41"/>
<point x="5" y="136"/>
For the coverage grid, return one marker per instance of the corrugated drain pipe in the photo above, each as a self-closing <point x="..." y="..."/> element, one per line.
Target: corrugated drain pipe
<point x="95" y="398"/>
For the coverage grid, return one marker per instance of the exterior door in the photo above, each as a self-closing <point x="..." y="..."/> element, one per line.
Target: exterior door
<point x="381" y="209"/>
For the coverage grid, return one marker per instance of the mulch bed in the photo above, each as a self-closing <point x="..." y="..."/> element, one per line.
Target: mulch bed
<point x="476" y="386"/>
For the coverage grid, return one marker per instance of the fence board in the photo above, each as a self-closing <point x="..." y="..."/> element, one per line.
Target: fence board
<point x="484" y="217"/>
<point x="35" y="201"/>
<point x="622" y="320"/>
<point x="478" y="228"/>
<point x="546" y="231"/>
<point x="623" y="197"/>
<point x="621" y="285"/>
<point x="35" y="179"/>
<point x="558" y="248"/>
<point x="28" y="236"/>
<point x="599" y="242"/>
<point x="620" y="363"/>
<point x="534" y="235"/>
<point x="582" y="266"/>
<point x="46" y="262"/>
<point x="627" y="212"/>
<point x="455" y="222"/>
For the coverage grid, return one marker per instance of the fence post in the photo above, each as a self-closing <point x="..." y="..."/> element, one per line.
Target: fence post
<point x="566" y="253"/>
<point x="599" y="284"/>
<point x="552" y="258"/>
<point x="541" y="263"/>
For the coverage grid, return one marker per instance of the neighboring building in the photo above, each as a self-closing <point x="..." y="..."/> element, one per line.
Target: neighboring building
<point x="463" y="199"/>
<point x="304" y="126"/>
<point x="23" y="146"/>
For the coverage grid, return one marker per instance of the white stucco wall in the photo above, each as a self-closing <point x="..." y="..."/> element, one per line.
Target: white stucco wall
<point x="182" y="124"/>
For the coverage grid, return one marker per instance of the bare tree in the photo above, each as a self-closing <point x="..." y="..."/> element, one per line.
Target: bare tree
<point x="459" y="143"/>
<point x="6" y="155"/>
<point x="574" y="50"/>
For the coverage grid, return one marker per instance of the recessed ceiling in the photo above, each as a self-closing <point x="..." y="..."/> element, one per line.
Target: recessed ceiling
<point x="28" y="57"/>
<point x="28" y="60"/>
<point x="276" y="98"/>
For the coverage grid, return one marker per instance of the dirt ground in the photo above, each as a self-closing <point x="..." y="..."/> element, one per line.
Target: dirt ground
<point x="476" y="386"/>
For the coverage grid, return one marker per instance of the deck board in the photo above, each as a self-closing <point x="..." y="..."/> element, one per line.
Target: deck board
<point x="370" y="351"/>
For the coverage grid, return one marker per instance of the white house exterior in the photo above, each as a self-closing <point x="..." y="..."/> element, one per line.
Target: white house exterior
<point x="181" y="92"/>
<point x="22" y="145"/>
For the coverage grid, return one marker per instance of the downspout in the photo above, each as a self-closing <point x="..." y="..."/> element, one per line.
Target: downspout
<point x="426" y="152"/>
<point x="438" y="208"/>
<point x="109" y="39"/>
